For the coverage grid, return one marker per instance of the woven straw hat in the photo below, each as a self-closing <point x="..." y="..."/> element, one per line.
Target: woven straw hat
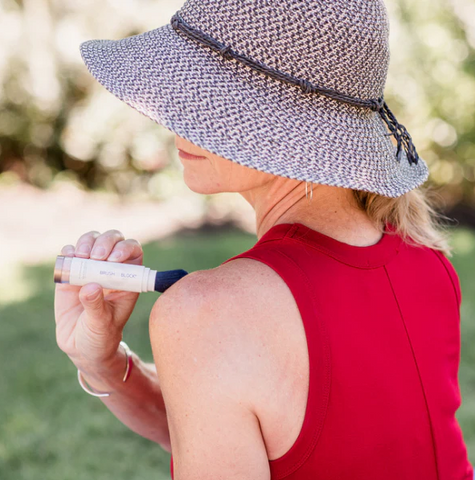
<point x="289" y="87"/>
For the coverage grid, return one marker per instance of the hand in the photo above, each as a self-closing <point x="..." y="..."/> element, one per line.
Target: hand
<point x="90" y="319"/>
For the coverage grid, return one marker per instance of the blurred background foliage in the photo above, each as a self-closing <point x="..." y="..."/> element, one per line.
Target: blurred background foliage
<point x="58" y="123"/>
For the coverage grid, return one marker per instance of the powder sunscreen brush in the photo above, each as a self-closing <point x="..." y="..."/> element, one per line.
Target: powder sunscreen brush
<point x="113" y="275"/>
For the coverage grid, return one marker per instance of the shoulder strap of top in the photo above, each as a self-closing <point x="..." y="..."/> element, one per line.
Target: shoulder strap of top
<point x="318" y="346"/>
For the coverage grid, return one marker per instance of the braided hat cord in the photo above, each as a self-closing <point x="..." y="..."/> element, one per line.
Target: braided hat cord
<point x="397" y="130"/>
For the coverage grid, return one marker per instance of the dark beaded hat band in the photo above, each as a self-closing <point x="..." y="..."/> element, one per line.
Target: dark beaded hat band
<point x="397" y="130"/>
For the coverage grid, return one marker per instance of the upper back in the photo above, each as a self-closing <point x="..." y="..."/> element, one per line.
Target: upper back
<point x="382" y="328"/>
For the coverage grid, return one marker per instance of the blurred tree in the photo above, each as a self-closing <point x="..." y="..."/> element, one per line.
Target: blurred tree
<point x="432" y="77"/>
<point x="56" y="121"/>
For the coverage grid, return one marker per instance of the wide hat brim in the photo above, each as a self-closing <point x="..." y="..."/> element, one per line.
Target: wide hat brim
<point x="233" y="111"/>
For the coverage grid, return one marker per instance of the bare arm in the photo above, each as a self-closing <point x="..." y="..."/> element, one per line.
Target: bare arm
<point x="205" y="352"/>
<point x="137" y="403"/>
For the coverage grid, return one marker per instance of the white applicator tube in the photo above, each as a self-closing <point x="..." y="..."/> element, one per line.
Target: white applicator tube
<point x="113" y="275"/>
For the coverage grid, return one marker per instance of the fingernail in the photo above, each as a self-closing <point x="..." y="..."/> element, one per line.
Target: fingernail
<point x="115" y="256"/>
<point x="84" y="249"/>
<point x="98" y="252"/>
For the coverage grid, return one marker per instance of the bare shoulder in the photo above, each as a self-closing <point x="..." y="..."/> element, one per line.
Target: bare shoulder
<point x="241" y="314"/>
<point x="227" y="293"/>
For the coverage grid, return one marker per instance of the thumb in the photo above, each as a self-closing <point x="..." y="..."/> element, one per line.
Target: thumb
<point x="91" y="296"/>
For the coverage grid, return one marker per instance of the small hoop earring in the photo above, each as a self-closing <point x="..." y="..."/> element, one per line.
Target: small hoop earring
<point x="306" y="191"/>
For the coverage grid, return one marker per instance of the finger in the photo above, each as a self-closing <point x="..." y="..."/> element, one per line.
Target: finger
<point x="85" y="243"/>
<point x="91" y="296"/>
<point x="104" y="244"/>
<point x="68" y="251"/>
<point x="127" y="251"/>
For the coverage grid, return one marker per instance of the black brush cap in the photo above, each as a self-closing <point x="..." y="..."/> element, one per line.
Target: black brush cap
<point x="166" y="279"/>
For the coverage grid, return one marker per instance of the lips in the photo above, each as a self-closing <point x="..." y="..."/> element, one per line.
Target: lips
<point x="189" y="156"/>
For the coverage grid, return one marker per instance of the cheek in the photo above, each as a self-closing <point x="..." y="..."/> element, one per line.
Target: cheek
<point x="218" y="175"/>
<point x="231" y="177"/>
<point x="241" y="178"/>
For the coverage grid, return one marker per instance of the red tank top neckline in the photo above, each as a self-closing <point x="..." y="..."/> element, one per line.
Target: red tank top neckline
<point x="372" y="256"/>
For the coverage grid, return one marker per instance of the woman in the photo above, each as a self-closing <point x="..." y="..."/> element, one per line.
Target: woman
<point x="330" y="349"/>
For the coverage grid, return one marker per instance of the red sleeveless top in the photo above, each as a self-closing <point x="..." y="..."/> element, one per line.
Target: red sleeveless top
<point x="383" y="334"/>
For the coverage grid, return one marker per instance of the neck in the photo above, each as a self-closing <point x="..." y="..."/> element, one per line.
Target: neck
<point x="332" y="210"/>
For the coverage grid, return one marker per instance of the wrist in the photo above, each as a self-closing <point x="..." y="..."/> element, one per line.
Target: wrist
<point x="110" y="376"/>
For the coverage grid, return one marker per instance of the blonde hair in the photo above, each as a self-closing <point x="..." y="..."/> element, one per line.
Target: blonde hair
<point x="413" y="215"/>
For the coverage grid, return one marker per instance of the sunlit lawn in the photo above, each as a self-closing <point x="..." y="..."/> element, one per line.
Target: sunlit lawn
<point x="51" y="429"/>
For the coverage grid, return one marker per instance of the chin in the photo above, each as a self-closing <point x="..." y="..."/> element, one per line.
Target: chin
<point x="202" y="187"/>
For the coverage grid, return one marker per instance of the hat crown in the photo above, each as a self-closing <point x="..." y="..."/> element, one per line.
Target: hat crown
<point x="341" y="45"/>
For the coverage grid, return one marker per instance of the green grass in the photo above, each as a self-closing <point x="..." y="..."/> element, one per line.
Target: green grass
<point x="50" y="428"/>
<point x="464" y="262"/>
